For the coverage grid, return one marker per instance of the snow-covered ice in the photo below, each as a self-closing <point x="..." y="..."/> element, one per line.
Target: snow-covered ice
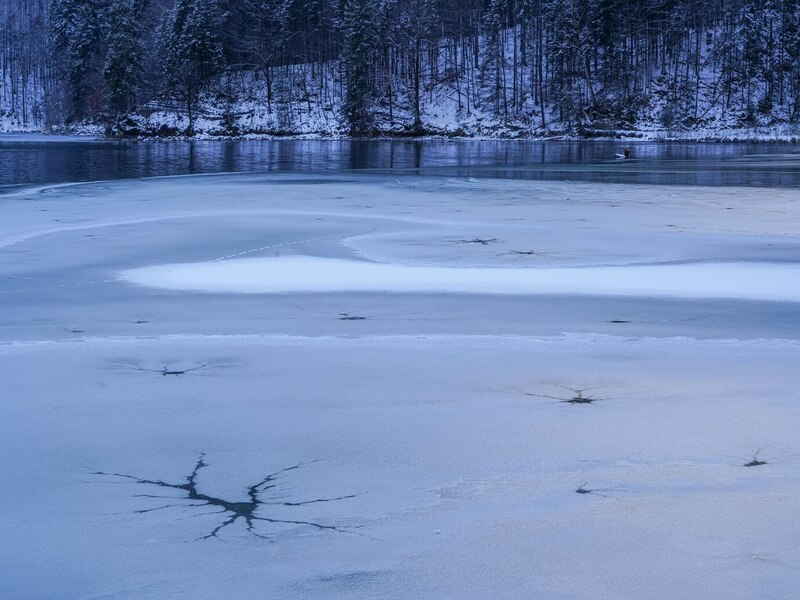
<point x="41" y="138"/>
<point x="389" y="443"/>
<point x="306" y="274"/>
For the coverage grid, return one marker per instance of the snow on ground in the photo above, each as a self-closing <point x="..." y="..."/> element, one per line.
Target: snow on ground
<point x="353" y="443"/>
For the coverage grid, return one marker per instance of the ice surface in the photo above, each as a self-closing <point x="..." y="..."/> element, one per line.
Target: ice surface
<point x="309" y="274"/>
<point x="438" y="423"/>
<point x="41" y="137"/>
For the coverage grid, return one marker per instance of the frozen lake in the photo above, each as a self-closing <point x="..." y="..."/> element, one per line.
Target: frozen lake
<point x="325" y="382"/>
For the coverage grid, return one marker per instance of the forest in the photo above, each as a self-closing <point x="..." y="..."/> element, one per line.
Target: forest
<point x="506" y="68"/>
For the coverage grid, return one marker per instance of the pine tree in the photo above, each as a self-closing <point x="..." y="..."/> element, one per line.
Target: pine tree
<point x="530" y="15"/>
<point x="123" y="69"/>
<point x="359" y="40"/>
<point x="494" y="21"/>
<point x="75" y="28"/>
<point x="413" y="30"/>
<point x="571" y="44"/>
<point x="790" y="52"/>
<point x="192" y="49"/>
<point x="265" y="35"/>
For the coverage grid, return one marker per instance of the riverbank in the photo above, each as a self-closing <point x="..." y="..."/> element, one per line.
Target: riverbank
<point x="783" y="133"/>
<point x="211" y="129"/>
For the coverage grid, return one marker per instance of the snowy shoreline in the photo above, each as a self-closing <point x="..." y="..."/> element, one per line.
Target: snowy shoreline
<point x="732" y="136"/>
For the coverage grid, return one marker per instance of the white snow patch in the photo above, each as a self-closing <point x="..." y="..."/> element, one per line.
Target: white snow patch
<point x="753" y="281"/>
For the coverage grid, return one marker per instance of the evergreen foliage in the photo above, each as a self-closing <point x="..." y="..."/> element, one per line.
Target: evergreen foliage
<point x="192" y="49"/>
<point x="578" y="66"/>
<point x="124" y="68"/>
<point x="357" y="30"/>
<point x="76" y="34"/>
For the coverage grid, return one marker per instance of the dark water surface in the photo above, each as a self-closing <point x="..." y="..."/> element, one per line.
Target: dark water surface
<point x="26" y="160"/>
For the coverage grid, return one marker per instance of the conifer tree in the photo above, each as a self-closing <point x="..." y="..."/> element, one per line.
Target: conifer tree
<point x="123" y="70"/>
<point x="192" y="49"/>
<point x="265" y="35"/>
<point x="356" y="27"/>
<point x="75" y="28"/>
<point x="493" y="25"/>
<point x="415" y="27"/>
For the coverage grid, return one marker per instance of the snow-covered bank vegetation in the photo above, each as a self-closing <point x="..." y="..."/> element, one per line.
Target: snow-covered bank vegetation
<point x="658" y="69"/>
